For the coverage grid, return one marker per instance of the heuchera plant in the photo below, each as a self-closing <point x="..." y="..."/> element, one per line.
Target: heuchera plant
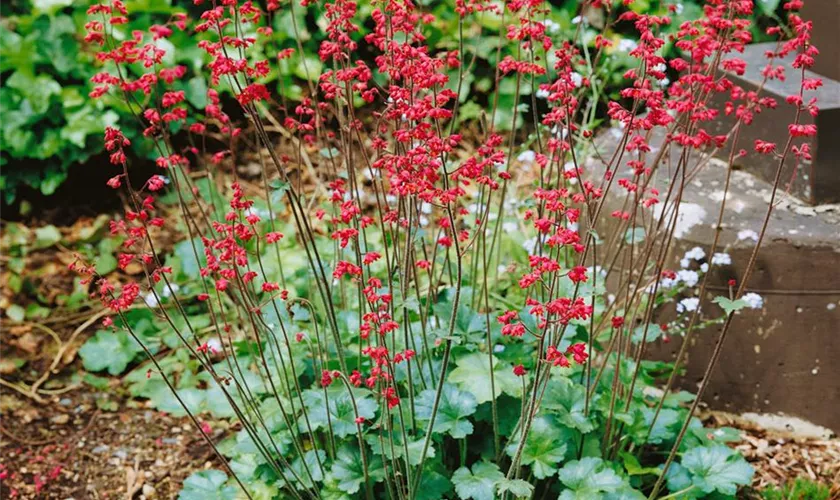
<point x="373" y="323"/>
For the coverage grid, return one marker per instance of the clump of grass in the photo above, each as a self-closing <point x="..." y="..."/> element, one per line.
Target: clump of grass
<point x="801" y="488"/>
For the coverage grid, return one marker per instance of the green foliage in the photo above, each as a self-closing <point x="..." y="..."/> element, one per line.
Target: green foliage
<point x="473" y="373"/>
<point x="802" y="488"/>
<point x="49" y="123"/>
<point x="111" y="351"/>
<point x="480" y="483"/>
<point x="585" y="439"/>
<point x="25" y="276"/>
<point x="455" y="408"/>
<point x="545" y="447"/>
<point x="207" y="485"/>
<point x="563" y="455"/>
<point x="707" y="469"/>
<point x="591" y="477"/>
<point x="730" y="306"/>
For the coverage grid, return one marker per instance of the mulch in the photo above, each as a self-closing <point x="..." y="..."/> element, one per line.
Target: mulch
<point x="779" y="458"/>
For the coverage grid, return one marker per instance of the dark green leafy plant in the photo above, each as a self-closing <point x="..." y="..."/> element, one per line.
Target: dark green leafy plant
<point x="391" y="309"/>
<point x="50" y="125"/>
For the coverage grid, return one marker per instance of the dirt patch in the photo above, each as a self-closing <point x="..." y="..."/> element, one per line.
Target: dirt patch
<point x="73" y="448"/>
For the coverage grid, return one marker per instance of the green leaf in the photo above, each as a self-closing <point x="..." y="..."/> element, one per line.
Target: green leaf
<point x="589" y="475"/>
<point x="107" y="262"/>
<point x="767" y="7"/>
<point x="544" y="448"/>
<point x="516" y="487"/>
<point x="52" y="179"/>
<point x="206" y="485"/>
<point x="666" y="426"/>
<point x="415" y="448"/>
<point x="349" y="471"/>
<point x="717" y="468"/>
<point x="16" y="312"/>
<point x="50" y="6"/>
<point x="454" y="408"/>
<point x="480" y="484"/>
<point x="634" y="468"/>
<point x="47" y="236"/>
<point x="634" y="235"/>
<point x="567" y="401"/>
<point x="196" y="92"/>
<point x="473" y="374"/>
<point x="311" y="460"/>
<point x="433" y="486"/>
<point x="729" y="306"/>
<point x="37" y="90"/>
<point x="342" y="418"/>
<point x="678" y="478"/>
<point x="108" y="350"/>
<point x="186" y="255"/>
<point x="654" y="331"/>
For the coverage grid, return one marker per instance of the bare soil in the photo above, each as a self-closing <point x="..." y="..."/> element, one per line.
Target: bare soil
<point x="71" y="447"/>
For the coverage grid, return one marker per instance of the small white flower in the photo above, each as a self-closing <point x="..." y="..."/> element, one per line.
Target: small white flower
<point x="577" y="19"/>
<point x="660" y="68"/>
<point x="552" y="27"/>
<point x="509" y="227"/>
<point x="747" y="234"/>
<point x="543" y="94"/>
<point x="664" y="82"/>
<point x="690" y="278"/>
<point x="530" y="245"/>
<point x="695" y="253"/>
<point x="502" y="269"/>
<point x="626" y="45"/>
<point x="688" y="304"/>
<point x="170" y="290"/>
<point x="527" y="156"/>
<point x="424" y="221"/>
<point x="426" y="208"/>
<point x="753" y="300"/>
<point x="721" y="259"/>
<point x="151" y="299"/>
<point x="577" y="79"/>
<point x="704" y="267"/>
